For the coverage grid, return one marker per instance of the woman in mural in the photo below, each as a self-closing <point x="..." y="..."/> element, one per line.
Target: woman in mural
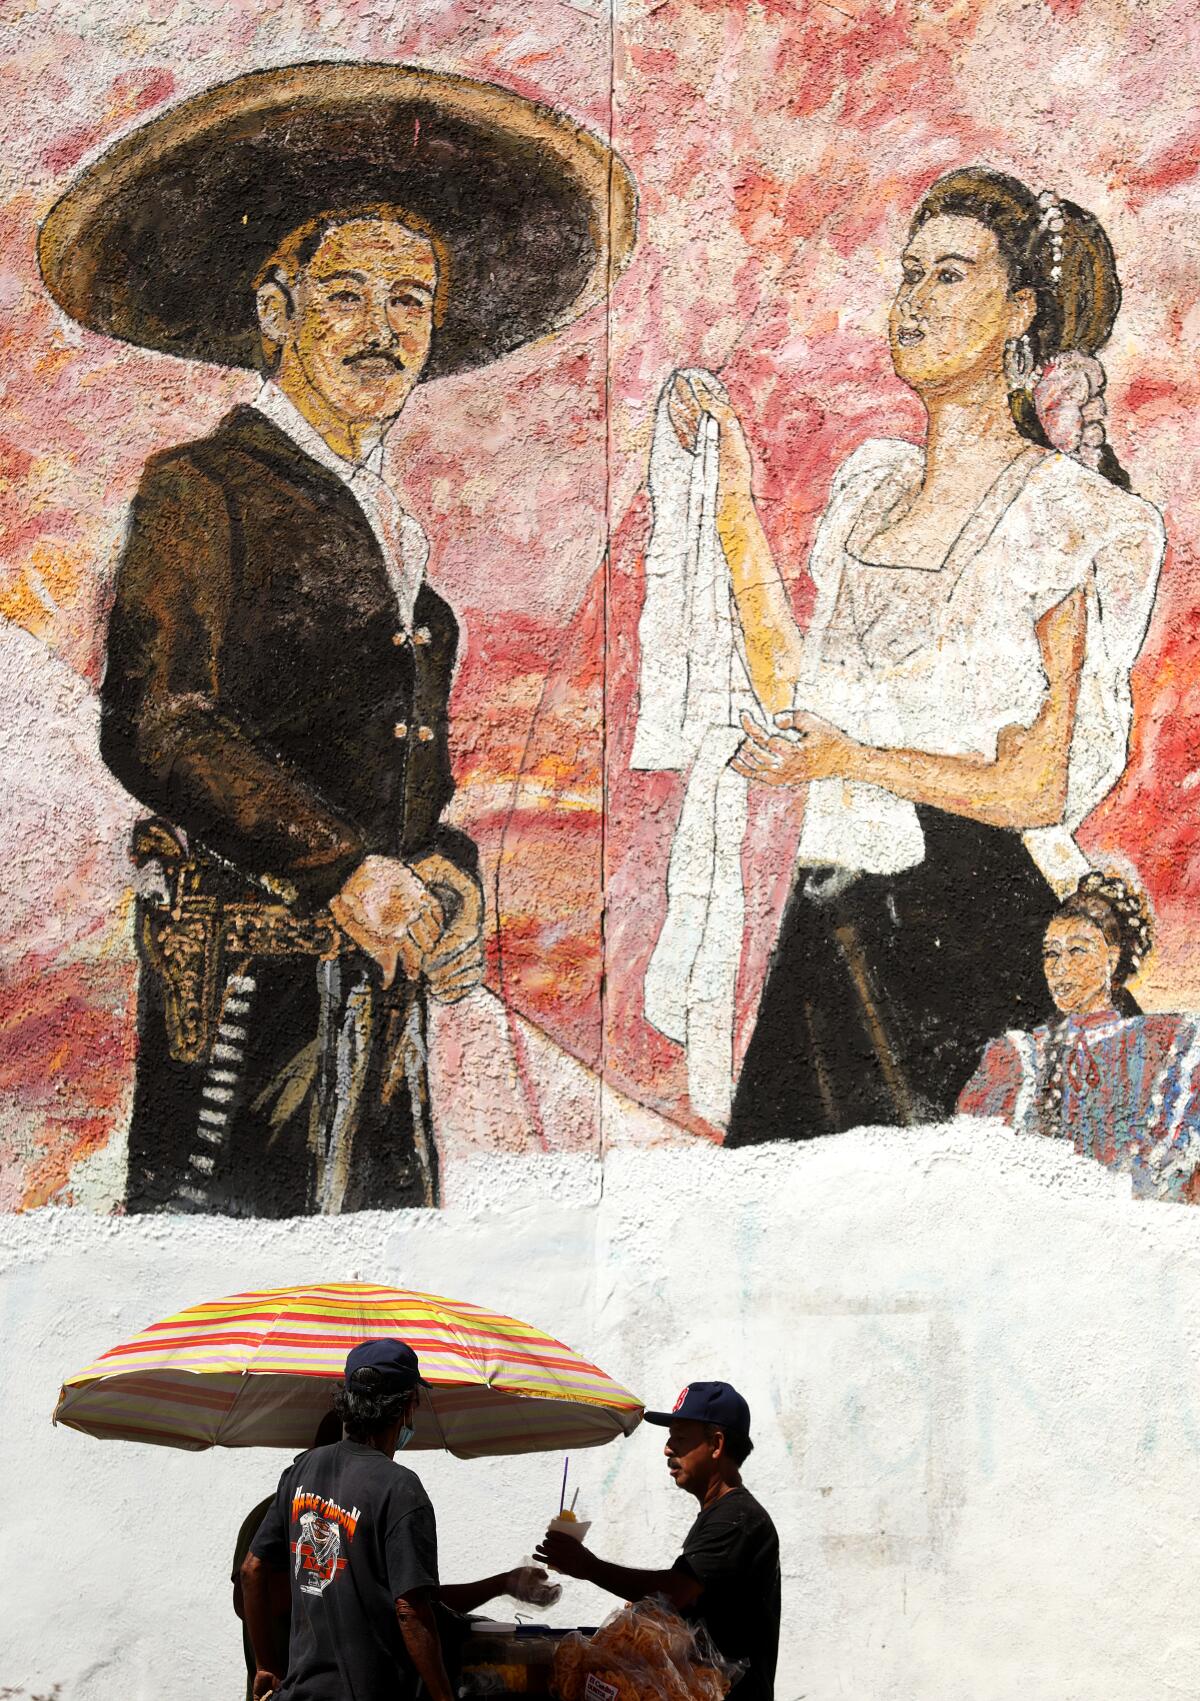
<point x="960" y="701"/>
<point x="1122" y="1087"/>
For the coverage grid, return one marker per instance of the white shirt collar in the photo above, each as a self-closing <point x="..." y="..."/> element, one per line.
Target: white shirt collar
<point x="282" y="412"/>
<point x="401" y="537"/>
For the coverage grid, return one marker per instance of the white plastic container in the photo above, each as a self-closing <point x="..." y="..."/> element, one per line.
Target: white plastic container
<point x="576" y="1527"/>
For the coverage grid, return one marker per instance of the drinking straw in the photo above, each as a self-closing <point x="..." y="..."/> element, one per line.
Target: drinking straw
<point x="562" y="1499"/>
<point x="574" y="1498"/>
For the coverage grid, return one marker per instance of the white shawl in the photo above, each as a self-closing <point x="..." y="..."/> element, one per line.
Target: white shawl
<point x="693" y="687"/>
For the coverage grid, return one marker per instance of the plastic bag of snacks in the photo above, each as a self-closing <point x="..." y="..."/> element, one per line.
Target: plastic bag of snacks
<point x="643" y="1652"/>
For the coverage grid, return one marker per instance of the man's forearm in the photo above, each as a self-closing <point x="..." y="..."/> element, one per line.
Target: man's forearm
<point x="209" y="776"/>
<point x="262" y="1626"/>
<point x="418" y="1627"/>
<point x="465" y="1597"/>
<point x="632" y="1585"/>
<point x="169" y="731"/>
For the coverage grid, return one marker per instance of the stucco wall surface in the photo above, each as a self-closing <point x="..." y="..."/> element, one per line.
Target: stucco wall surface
<point x="971" y="1361"/>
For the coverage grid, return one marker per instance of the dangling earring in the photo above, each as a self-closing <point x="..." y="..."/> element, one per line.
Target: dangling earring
<point x="1018" y="363"/>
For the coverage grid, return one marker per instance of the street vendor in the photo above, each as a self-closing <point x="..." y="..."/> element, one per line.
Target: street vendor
<point x="355" y="1534"/>
<point x="523" y="1583"/>
<point x="328" y="1431"/>
<point x="727" y="1576"/>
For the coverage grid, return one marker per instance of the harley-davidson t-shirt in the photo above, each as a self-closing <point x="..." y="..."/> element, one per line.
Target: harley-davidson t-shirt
<point x="356" y="1531"/>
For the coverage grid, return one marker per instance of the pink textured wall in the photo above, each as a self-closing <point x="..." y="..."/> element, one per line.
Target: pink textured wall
<point x="778" y="151"/>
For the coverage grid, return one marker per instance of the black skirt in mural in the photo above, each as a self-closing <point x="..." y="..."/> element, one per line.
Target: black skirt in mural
<point x="883" y="990"/>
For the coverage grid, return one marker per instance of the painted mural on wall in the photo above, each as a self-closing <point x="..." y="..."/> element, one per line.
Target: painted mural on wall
<point x="544" y="555"/>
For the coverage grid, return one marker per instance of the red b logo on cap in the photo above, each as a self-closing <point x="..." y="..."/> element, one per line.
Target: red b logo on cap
<point x="683" y="1396"/>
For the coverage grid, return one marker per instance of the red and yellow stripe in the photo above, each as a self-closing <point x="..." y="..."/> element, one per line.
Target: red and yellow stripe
<point x="256" y="1370"/>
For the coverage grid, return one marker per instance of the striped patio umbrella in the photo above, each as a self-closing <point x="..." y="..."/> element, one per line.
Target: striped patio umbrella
<point x="257" y="1370"/>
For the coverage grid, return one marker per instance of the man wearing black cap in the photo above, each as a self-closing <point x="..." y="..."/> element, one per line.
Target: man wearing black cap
<point x="727" y="1576"/>
<point x="356" y="1533"/>
<point x="328" y="1431"/>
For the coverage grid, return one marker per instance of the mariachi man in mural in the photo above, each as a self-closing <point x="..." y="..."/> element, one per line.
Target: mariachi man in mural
<point x="278" y="667"/>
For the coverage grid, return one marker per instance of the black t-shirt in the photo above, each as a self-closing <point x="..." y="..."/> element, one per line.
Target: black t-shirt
<point x="733" y="1550"/>
<point x="355" y="1531"/>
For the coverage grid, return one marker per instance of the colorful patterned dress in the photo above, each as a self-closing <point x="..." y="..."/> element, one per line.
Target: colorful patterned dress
<point x="1124" y="1090"/>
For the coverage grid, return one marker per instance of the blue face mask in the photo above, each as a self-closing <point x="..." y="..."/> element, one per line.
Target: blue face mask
<point x="404" y="1437"/>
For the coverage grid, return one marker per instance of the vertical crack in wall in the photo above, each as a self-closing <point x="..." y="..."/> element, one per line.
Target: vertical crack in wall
<point x="609" y="280"/>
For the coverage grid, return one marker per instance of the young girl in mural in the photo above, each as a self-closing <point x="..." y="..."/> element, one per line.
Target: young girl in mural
<point x="960" y="701"/>
<point x="1122" y="1087"/>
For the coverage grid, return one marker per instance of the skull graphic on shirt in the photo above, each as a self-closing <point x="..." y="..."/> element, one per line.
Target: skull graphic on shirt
<point x="318" y="1553"/>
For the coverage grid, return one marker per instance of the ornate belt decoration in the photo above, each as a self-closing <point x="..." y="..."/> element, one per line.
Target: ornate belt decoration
<point x="196" y="940"/>
<point x="204" y="938"/>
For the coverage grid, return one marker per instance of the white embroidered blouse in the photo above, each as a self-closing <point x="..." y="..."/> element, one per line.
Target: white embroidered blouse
<point x="941" y="660"/>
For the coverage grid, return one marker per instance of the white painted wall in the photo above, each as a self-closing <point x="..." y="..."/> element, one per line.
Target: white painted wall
<point x="972" y="1362"/>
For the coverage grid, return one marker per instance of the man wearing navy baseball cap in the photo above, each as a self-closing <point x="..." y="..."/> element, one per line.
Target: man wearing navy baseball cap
<point x="727" y="1576"/>
<point x="357" y="1533"/>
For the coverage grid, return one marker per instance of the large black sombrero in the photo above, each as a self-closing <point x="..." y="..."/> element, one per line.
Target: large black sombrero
<point x="158" y="241"/>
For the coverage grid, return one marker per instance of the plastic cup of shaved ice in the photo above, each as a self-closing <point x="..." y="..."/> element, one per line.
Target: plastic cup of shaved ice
<point x="567" y="1524"/>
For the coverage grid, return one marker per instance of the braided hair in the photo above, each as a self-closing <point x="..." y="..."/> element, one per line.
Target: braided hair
<point x="1121" y="913"/>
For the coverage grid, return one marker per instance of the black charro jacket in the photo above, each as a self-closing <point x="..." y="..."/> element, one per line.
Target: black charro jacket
<point x="255" y="693"/>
